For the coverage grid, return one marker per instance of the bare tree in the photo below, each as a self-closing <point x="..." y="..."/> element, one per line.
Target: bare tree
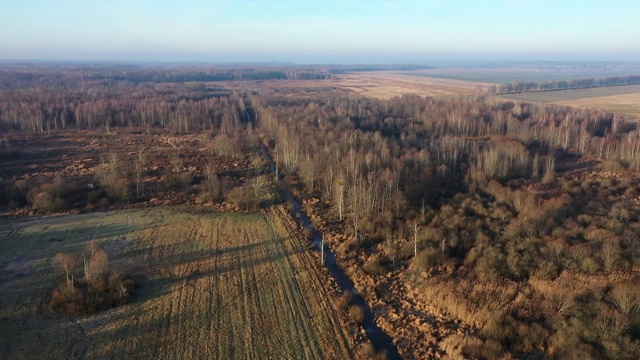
<point x="340" y="198"/>
<point x="626" y="298"/>
<point x="89" y="251"/>
<point x="68" y="263"/>
<point x="98" y="266"/>
<point x="416" y="229"/>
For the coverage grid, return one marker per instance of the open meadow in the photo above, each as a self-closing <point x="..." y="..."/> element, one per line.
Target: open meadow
<point x="212" y="285"/>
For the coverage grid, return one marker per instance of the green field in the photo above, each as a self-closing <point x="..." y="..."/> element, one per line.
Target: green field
<point x="213" y="286"/>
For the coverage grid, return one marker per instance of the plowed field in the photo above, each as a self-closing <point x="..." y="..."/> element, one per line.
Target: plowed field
<point x="213" y="286"/>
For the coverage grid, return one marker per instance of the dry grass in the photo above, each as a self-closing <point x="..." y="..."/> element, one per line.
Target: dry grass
<point x="215" y="286"/>
<point x="372" y="84"/>
<point x="386" y="84"/>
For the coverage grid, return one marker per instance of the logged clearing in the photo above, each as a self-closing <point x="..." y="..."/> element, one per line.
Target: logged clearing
<point x="213" y="285"/>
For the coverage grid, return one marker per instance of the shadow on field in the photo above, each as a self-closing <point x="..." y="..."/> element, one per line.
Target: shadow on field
<point x="43" y="242"/>
<point x="161" y="277"/>
<point x="153" y="327"/>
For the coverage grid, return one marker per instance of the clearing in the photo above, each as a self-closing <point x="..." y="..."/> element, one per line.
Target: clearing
<point x="213" y="285"/>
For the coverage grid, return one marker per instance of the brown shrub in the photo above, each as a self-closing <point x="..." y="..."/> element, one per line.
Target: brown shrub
<point x="356" y="313"/>
<point x="377" y="265"/>
<point x="117" y="188"/>
<point x="344" y="301"/>
<point x="427" y="259"/>
<point x="308" y="232"/>
<point x="612" y="165"/>
<point x="367" y="351"/>
<point x="243" y="199"/>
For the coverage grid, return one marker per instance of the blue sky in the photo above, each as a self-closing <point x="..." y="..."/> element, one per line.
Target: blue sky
<point x="345" y="31"/>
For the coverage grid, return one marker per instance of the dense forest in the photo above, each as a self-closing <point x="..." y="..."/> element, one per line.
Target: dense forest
<point x="519" y="220"/>
<point x="475" y="194"/>
<point x="521" y="86"/>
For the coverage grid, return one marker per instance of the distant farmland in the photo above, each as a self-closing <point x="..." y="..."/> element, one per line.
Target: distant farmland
<point x="510" y="75"/>
<point x="213" y="285"/>
<point x="623" y="100"/>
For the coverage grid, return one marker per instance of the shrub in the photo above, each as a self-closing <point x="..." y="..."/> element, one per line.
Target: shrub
<point x="117" y="188"/>
<point x="344" y="301"/>
<point x="54" y="196"/>
<point x="377" y="265"/>
<point x="427" y="259"/>
<point x="612" y="165"/>
<point x="212" y="189"/>
<point x="367" y="351"/>
<point x="243" y="199"/>
<point x="356" y="313"/>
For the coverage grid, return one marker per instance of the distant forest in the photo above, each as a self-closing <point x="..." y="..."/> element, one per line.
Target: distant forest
<point x="530" y="86"/>
<point x="15" y="76"/>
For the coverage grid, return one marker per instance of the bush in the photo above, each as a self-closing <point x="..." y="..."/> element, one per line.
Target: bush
<point x="368" y="352"/>
<point x="427" y="259"/>
<point x="377" y="265"/>
<point x="54" y="196"/>
<point x="117" y="188"/>
<point x="612" y="165"/>
<point x="243" y="199"/>
<point x="344" y="301"/>
<point x="356" y="313"/>
<point x="212" y="190"/>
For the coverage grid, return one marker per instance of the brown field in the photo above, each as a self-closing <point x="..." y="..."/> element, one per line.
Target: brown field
<point x="627" y="105"/>
<point x="372" y="84"/>
<point x="387" y="84"/>
<point x="622" y="100"/>
<point x="213" y="285"/>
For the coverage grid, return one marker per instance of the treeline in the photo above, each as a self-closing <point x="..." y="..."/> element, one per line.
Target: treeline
<point x="522" y="86"/>
<point x="178" y="108"/>
<point x="341" y="69"/>
<point x="469" y="189"/>
<point x="21" y="76"/>
<point x="198" y="75"/>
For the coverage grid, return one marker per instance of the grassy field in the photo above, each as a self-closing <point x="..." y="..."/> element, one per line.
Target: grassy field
<point x="213" y="285"/>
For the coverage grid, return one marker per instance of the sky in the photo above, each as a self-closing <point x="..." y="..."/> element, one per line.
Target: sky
<point x="327" y="31"/>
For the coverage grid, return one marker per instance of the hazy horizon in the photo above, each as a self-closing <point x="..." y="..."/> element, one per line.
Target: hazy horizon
<point x="340" y="32"/>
